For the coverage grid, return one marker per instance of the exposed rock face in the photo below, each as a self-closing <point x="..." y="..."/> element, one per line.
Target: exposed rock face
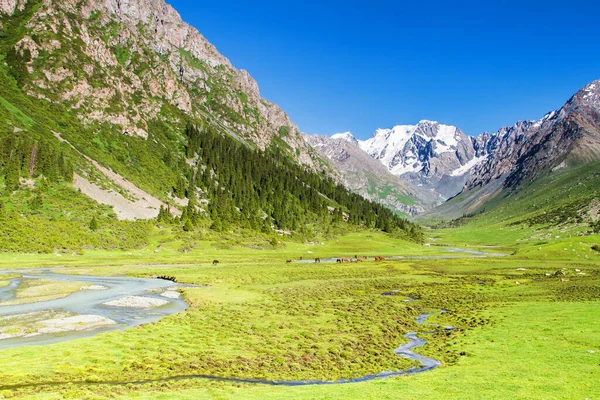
<point x="429" y="155"/>
<point x="121" y="61"/>
<point x="505" y="147"/>
<point x="520" y="154"/>
<point x="10" y="6"/>
<point x="365" y="175"/>
<point x="526" y="150"/>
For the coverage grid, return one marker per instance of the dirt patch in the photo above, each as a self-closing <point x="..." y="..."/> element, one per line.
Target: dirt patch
<point x="145" y="206"/>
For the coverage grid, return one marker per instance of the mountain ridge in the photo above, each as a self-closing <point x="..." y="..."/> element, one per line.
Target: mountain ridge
<point x="111" y="106"/>
<point x="367" y="176"/>
<point x="446" y="161"/>
<point x="160" y="58"/>
<point x="524" y="153"/>
<point x="430" y="156"/>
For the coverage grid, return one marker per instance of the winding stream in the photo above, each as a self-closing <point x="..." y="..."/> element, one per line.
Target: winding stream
<point x="88" y="302"/>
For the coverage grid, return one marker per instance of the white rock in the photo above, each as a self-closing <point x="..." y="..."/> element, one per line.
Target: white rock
<point x="170" y="294"/>
<point x="76" y="323"/>
<point x="136" y="302"/>
<point x="94" y="287"/>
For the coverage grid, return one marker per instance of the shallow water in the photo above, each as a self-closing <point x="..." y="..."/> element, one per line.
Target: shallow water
<point x="455" y="251"/>
<point x="90" y="302"/>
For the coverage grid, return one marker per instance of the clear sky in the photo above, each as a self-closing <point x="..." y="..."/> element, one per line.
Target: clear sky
<point x="338" y="66"/>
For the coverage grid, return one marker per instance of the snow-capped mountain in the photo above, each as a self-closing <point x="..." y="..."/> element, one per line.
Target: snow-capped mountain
<point x="347" y="136"/>
<point x="440" y="161"/>
<point x="367" y="176"/>
<point x="430" y="155"/>
<point x="520" y="154"/>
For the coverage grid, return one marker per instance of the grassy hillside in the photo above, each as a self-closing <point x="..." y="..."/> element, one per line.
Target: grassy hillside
<point x="559" y="205"/>
<point x="227" y="185"/>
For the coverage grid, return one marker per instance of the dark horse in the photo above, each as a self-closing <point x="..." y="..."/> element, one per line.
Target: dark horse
<point x="215" y="262"/>
<point x="317" y="260"/>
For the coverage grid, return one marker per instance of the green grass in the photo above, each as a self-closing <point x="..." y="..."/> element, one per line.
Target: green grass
<point x="165" y="247"/>
<point x="264" y="318"/>
<point x="385" y="191"/>
<point x="17" y="113"/>
<point x="563" y="202"/>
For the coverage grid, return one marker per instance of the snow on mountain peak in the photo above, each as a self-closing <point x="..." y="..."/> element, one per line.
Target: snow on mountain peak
<point x="591" y="92"/>
<point x="347" y="136"/>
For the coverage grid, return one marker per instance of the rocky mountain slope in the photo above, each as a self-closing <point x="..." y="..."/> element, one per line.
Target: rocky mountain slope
<point x="367" y="176"/>
<point x="127" y="65"/>
<point x="435" y="159"/>
<point x="446" y="162"/>
<point x="114" y="111"/>
<point x="527" y="150"/>
<point x="522" y="154"/>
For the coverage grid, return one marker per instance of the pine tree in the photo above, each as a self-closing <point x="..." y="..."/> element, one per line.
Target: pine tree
<point x="179" y="189"/>
<point x="94" y="224"/>
<point x="13" y="173"/>
<point x="37" y="202"/>
<point x="187" y="226"/>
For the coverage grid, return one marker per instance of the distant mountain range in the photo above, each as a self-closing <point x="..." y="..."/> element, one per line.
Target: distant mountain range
<point x="439" y="161"/>
<point x="432" y="159"/>
<point x="367" y="176"/>
<point x="521" y="155"/>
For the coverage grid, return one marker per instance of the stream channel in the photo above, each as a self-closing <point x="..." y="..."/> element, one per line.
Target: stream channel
<point x="91" y="302"/>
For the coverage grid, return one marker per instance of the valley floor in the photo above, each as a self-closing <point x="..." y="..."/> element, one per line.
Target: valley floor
<point x="526" y="324"/>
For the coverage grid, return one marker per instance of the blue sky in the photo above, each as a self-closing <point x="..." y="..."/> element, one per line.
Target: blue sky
<point x="335" y="66"/>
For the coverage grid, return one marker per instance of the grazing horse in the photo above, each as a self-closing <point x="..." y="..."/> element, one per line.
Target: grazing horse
<point x="359" y="260"/>
<point x="167" y="278"/>
<point x="215" y="262"/>
<point x="365" y="257"/>
<point x="317" y="260"/>
<point x="288" y="261"/>
<point x="339" y="260"/>
<point x="345" y="260"/>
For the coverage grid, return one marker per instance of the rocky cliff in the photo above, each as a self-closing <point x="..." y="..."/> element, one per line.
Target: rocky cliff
<point x="518" y="156"/>
<point x="128" y="63"/>
<point x="523" y="152"/>
<point x="433" y="157"/>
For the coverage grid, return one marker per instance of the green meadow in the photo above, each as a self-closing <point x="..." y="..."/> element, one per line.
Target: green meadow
<point x="526" y="324"/>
